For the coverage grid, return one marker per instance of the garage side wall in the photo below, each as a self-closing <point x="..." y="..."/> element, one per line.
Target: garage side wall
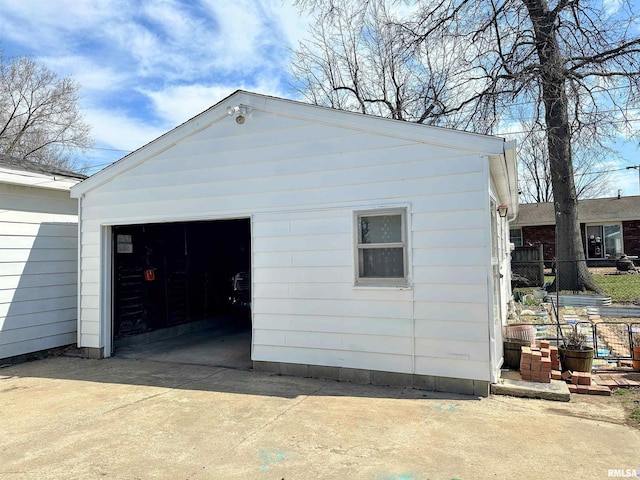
<point x="38" y="269"/>
<point x="301" y="181"/>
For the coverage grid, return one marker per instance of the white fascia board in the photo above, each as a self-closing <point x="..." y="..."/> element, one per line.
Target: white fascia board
<point x="36" y="180"/>
<point x="427" y="134"/>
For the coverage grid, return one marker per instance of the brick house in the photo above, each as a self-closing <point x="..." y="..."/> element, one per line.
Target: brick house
<point x="609" y="226"/>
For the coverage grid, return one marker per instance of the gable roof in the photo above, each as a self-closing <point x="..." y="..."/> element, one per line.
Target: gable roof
<point x="19" y="171"/>
<point x="593" y="210"/>
<point x="259" y="104"/>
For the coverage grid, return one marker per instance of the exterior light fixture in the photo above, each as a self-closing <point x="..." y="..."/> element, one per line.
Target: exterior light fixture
<point x="502" y="210"/>
<point x="240" y="111"/>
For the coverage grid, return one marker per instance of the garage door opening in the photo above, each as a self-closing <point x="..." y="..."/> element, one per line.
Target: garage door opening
<point x="187" y="279"/>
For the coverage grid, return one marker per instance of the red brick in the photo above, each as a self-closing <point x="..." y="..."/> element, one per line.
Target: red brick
<point x="525" y="350"/>
<point x="566" y="375"/>
<point x="573" y="388"/>
<point x="599" y="390"/>
<point x="575" y="378"/>
<point x="610" y="384"/>
<point x="546" y="353"/>
<point x="535" y="355"/>
<point x="545" y="344"/>
<point x="585" y="379"/>
<point x="583" y="389"/>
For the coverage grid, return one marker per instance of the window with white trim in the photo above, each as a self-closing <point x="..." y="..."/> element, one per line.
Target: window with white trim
<point x="381" y="247"/>
<point x="515" y="235"/>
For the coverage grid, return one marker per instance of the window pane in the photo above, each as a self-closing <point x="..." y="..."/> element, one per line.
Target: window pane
<point x="381" y="229"/>
<point x="381" y="263"/>
<point x="515" y="235"/>
<point x="612" y="240"/>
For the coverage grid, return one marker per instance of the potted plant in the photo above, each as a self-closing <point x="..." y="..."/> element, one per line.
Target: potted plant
<point x="575" y="354"/>
<point x="635" y="336"/>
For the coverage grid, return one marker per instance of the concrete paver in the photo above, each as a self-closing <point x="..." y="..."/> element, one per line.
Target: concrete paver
<point x="127" y="418"/>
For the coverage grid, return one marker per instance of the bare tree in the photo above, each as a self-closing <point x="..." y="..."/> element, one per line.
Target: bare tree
<point x="354" y="61"/>
<point x="573" y="64"/>
<point x="39" y="115"/>
<point x="589" y="163"/>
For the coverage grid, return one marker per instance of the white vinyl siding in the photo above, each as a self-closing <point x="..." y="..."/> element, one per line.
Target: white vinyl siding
<point x="38" y="269"/>
<point x="301" y="181"/>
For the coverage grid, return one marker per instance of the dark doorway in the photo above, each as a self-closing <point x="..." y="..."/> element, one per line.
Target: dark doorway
<point x="170" y="276"/>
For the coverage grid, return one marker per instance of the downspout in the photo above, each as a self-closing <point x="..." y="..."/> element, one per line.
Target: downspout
<point x="79" y="268"/>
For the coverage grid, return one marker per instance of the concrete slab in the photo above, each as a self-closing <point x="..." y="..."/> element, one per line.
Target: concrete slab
<point x="126" y="418"/>
<point x="228" y="347"/>
<point x="512" y="384"/>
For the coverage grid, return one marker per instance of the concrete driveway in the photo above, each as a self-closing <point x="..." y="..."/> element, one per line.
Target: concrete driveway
<point x="126" y="418"/>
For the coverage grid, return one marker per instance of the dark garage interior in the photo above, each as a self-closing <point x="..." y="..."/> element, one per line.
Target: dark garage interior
<point x="177" y="278"/>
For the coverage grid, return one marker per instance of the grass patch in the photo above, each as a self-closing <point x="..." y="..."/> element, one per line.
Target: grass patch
<point x="629" y="399"/>
<point x="621" y="288"/>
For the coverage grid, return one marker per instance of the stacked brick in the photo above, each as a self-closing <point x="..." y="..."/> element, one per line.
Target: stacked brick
<point x="543" y="364"/>
<point x="535" y="365"/>
<point x="540" y="364"/>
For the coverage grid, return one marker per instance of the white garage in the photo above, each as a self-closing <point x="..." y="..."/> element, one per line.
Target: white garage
<point x="369" y="249"/>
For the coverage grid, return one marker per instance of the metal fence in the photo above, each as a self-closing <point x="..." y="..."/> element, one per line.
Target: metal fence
<point x="610" y="340"/>
<point x="608" y="280"/>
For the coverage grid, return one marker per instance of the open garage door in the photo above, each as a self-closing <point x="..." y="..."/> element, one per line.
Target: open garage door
<point x="174" y="278"/>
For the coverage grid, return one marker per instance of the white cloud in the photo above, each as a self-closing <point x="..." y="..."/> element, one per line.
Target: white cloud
<point x="611" y="7"/>
<point x="90" y="75"/>
<point x="116" y="129"/>
<point x="175" y="105"/>
<point x="178" y="104"/>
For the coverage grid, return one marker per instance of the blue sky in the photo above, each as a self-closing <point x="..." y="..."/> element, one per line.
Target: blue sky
<point x="146" y="66"/>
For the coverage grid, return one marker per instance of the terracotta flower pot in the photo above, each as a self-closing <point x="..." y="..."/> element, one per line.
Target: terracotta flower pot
<point x="522" y="331"/>
<point x="636" y="357"/>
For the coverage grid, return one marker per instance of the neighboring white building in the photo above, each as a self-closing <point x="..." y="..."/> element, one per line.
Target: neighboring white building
<point x="375" y="247"/>
<point x="38" y="257"/>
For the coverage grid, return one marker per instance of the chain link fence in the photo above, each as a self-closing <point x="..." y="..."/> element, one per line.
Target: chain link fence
<point x="602" y="302"/>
